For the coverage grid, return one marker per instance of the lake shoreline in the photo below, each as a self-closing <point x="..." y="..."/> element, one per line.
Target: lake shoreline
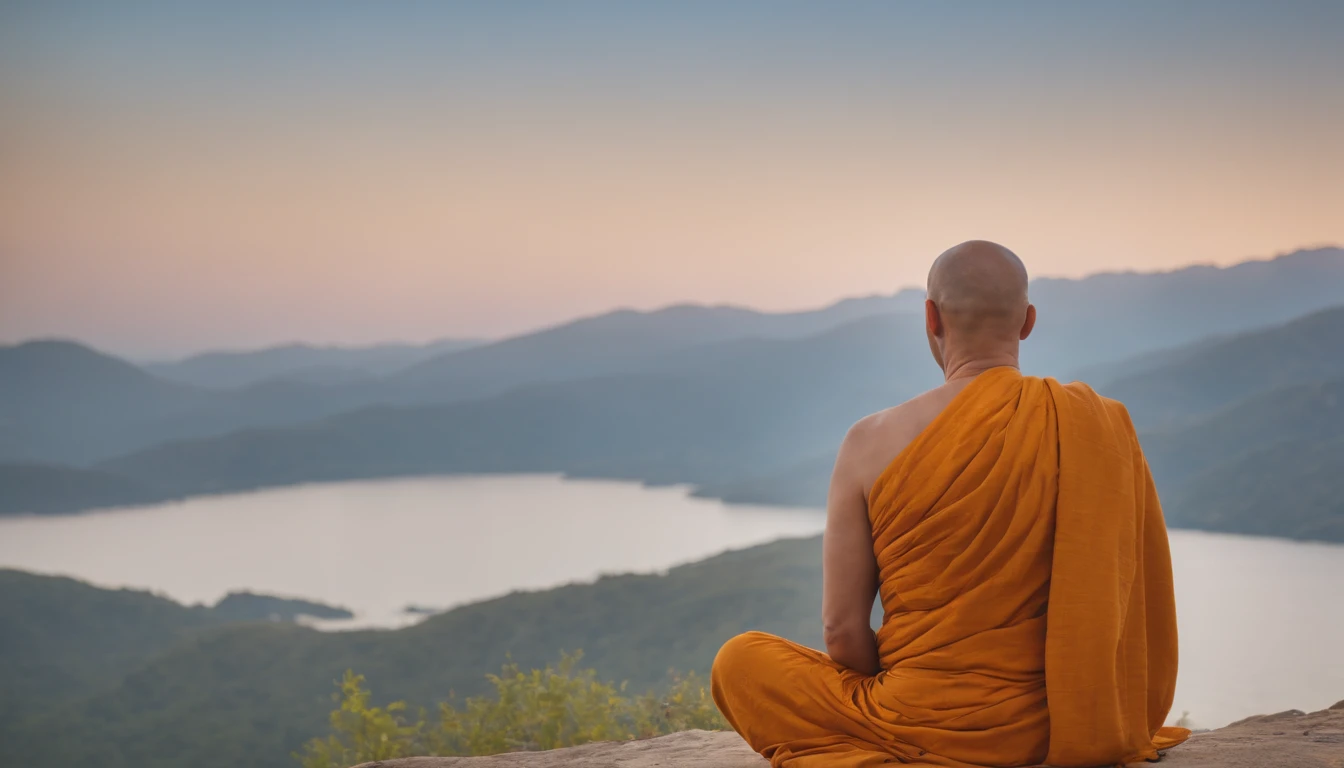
<point x="732" y="495"/>
<point x="1267" y="592"/>
<point x="440" y="524"/>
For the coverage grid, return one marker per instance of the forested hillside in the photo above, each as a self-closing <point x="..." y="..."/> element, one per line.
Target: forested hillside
<point x="63" y="639"/>
<point x="165" y="694"/>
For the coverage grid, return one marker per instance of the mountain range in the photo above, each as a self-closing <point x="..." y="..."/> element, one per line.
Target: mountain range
<point x="1214" y="416"/>
<point x="743" y="405"/>
<point x="64" y="403"/>
<point x="1240" y="412"/>
<point x="301" y="362"/>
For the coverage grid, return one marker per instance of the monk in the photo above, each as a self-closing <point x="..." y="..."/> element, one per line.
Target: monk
<point x="1010" y="527"/>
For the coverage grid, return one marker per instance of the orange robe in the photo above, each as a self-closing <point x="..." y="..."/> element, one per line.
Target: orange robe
<point x="1026" y="587"/>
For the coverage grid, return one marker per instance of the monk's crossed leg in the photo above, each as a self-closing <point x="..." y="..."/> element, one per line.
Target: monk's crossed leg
<point x="795" y="705"/>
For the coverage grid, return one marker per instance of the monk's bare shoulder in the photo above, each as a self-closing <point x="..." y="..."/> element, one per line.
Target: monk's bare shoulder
<point x="877" y="439"/>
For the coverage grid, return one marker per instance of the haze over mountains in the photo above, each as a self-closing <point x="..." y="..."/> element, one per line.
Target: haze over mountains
<point x="1112" y="317"/>
<point x="1236" y="382"/>
<point x="1243" y="434"/>
<point x="301" y="362"/>
<point x="65" y="403"/>
<point x="742" y="404"/>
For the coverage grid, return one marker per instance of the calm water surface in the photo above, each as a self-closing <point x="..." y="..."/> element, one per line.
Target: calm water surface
<point x="1261" y="620"/>
<point x="377" y="546"/>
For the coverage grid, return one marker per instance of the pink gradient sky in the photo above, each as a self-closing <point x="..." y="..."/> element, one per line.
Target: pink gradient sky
<point x="358" y="180"/>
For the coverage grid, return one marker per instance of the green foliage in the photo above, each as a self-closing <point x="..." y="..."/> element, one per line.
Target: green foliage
<point x="361" y="732"/>
<point x="253" y="693"/>
<point x="547" y="708"/>
<point x="561" y="705"/>
<point x="685" y="706"/>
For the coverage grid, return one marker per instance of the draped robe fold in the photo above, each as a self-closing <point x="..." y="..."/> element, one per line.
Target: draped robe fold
<point x="1028" y="609"/>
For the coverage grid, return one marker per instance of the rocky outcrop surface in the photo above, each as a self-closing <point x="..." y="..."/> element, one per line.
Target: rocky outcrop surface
<point x="689" y="749"/>
<point x="1290" y="739"/>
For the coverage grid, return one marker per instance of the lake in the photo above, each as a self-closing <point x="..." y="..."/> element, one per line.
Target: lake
<point x="1261" y="621"/>
<point x="377" y="546"/>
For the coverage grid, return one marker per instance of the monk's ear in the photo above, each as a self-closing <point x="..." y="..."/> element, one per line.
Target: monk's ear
<point x="1029" y="324"/>
<point x="932" y="319"/>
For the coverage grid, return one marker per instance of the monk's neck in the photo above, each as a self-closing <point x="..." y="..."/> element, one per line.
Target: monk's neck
<point x="972" y="367"/>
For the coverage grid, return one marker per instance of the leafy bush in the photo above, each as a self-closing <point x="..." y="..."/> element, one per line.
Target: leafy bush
<point x="361" y="733"/>
<point x="559" y="706"/>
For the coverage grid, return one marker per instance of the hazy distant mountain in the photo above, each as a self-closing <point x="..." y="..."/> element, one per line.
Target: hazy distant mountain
<point x="625" y="341"/>
<point x="1083" y="322"/>
<point x="1111" y="317"/>
<point x="64" y="402"/>
<point x="1269" y="465"/>
<point x="108" y="407"/>
<point x="1234" y="408"/>
<point x="803" y="483"/>
<point x="1294" y="488"/>
<point x="1307" y="412"/>
<point x="703" y="414"/>
<point x="301" y="362"/>
<point x="750" y="421"/>
<point x="1205" y="376"/>
<point x="41" y="490"/>
<point x="1187" y="460"/>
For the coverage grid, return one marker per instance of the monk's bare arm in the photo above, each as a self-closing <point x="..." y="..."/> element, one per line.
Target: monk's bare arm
<point x="849" y="568"/>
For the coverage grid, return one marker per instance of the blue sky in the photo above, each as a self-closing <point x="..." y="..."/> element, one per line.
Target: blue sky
<point x="184" y="175"/>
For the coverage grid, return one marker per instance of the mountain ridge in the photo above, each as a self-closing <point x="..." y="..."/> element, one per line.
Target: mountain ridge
<point x="677" y="396"/>
<point x="299" y="361"/>
<point x="753" y="422"/>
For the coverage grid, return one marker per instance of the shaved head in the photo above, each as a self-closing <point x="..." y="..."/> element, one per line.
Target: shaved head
<point x="980" y="287"/>
<point x="977" y="309"/>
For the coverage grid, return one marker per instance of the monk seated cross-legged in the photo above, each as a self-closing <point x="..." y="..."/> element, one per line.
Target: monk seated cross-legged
<point x="1010" y="526"/>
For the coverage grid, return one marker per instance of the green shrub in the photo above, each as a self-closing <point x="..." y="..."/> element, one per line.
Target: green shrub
<point x="560" y="706"/>
<point x="685" y="706"/>
<point x="361" y="733"/>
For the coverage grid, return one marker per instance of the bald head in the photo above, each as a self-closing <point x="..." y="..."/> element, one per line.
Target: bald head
<point x="980" y="288"/>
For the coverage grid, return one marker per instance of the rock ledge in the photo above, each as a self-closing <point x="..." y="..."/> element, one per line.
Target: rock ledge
<point x="1289" y="739"/>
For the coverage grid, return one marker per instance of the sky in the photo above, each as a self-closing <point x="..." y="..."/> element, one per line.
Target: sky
<point x="183" y="176"/>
